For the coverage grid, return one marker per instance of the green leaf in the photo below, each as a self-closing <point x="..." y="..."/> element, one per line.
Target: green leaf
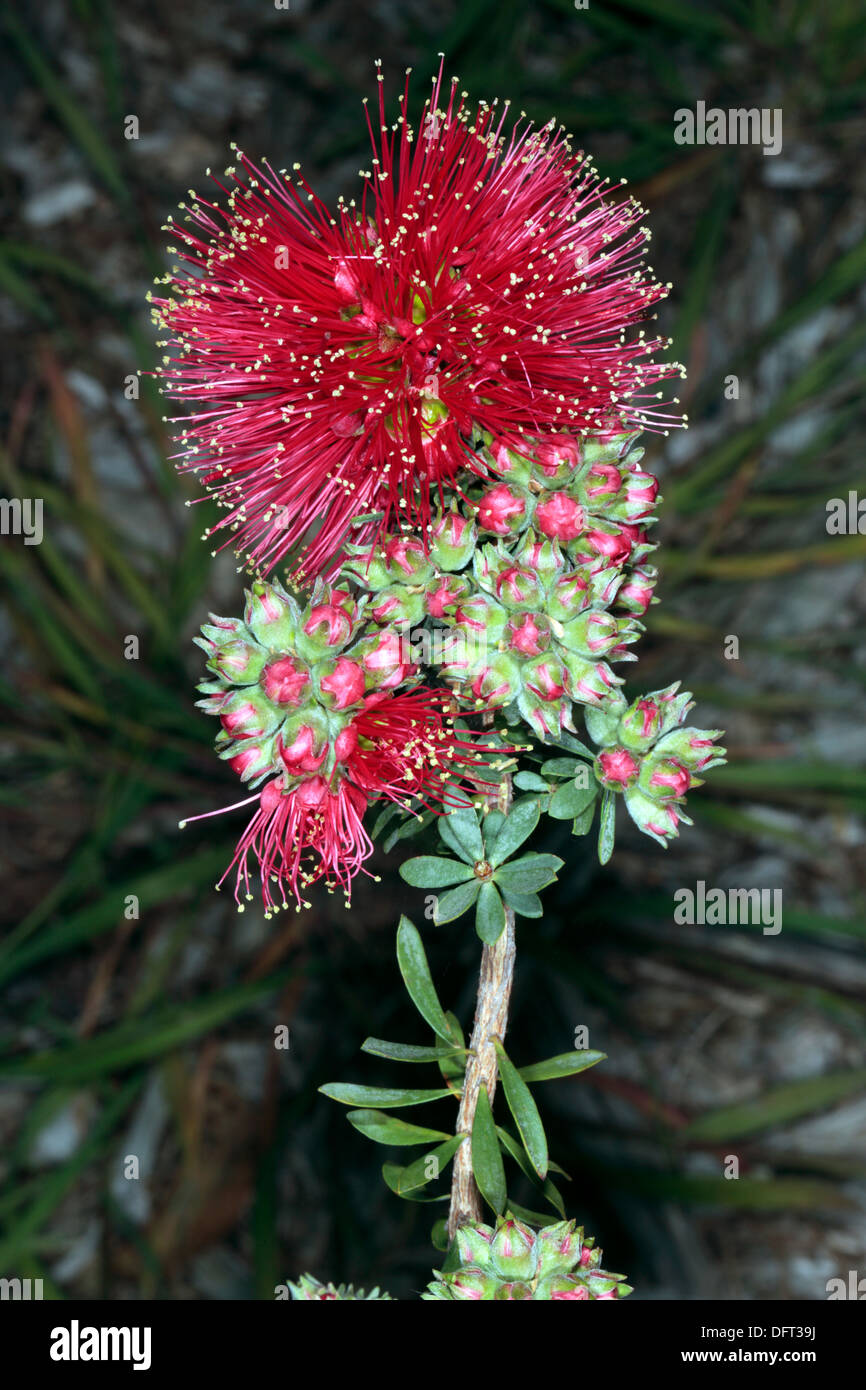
<point x="378" y="1097"/>
<point x="573" y="745"/>
<point x="490" y="914"/>
<point x="487" y="1165"/>
<point x="405" y="1052"/>
<point x="439" y="1235"/>
<point x="463" y="826"/>
<point x="518" y="826"/>
<point x="524" y="1110"/>
<point x="455" y="902"/>
<point x="546" y="1186"/>
<point x="523" y="904"/>
<point x="570" y="800"/>
<point x="530" y="782"/>
<point x="415" y="1175"/>
<point x="453" y="1064"/>
<point x="387" y="1129"/>
<point x="780" y="1106"/>
<point x="528" y="874"/>
<point x="565" y="1064"/>
<point x="407" y="828"/>
<point x="561" y="767"/>
<point x="490" y="826"/>
<point x="606" y="826"/>
<point x="524" y="1214"/>
<point x="583" y="823"/>
<point x="412" y="960"/>
<point x="433" y="871"/>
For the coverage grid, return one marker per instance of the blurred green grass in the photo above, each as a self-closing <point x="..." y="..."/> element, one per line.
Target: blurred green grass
<point x="98" y="747"/>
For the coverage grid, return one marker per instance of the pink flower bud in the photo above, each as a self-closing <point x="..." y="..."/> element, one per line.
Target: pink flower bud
<point x="561" y="451"/>
<point x="602" y="482"/>
<point x="615" y="548"/>
<point x="252" y="760"/>
<point x="446" y="595"/>
<point x="617" y="768"/>
<point x="300" y="756"/>
<point x="497" y="509"/>
<point x="559" y="516"/>
<point x="345" y="683"/>
<point x="283" y="681"/>
<point x="673" y="777"/>
<point x="346" y="743"/>
<point x="329" y="623"/>
<point x="525" y="635"/>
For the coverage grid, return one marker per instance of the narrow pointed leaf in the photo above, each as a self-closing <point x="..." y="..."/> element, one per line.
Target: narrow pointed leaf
<point x="412" y="960"/>
<point x="606" y="827"/>
<point x="524" y="1110"/>
<point x="487" y="1165"/>
<point x="566" y="1064"/>
<point x="411" y="1178"/>
<point x="387" y="1129"/>
<point x="547" y="1188"/>
<point x="406" y="1052"/>
<point x="378" y="1097"/>
<point x="490" y="914"/>
<point x="518" y="826"/>
<point x="583" y="823"/>
<point x="432" y="871"/>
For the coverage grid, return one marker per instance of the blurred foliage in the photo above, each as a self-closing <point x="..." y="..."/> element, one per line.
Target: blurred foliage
<point x="103" y="755"/>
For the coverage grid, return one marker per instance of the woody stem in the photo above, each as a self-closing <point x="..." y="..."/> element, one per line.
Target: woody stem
<point x="495" y="982"/>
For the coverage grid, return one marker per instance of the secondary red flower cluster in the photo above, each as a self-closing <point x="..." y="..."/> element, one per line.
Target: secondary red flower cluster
<point x="353" y="372"/>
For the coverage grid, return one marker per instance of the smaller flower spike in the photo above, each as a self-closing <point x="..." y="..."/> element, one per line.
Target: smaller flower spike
<point x="311" y="713"/>
<point x="648" y="756"/>
<point x="511" y="1262"/>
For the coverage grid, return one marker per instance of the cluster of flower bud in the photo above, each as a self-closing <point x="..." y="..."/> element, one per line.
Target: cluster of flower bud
<point x="539" y="579"/>
<point x="513" y="1262"/>
<point x="649" y="756"/>
<point x="288" y="680"/>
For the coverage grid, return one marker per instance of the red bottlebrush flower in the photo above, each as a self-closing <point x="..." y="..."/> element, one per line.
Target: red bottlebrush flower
<point x="342" y="363"/>
<point x="308" y="827"/>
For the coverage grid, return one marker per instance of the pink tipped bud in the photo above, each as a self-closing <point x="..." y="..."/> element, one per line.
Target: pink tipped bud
<point x="617" y="768"/>
<point x="525" y="635"/>
<point x="615" y="548"/>
<point x="602" y="482"/>
<point x="501" y="510"/>
<point x="670" y="780"/>
<point x="300" y="756"/>
<point x="556" y="454"/>
<point x="329" y="624"/>
<point x="283" y="681"/>
<point x="444" y="598"/>
<point x="560" y="517"/>
<point x="345" y="684"/>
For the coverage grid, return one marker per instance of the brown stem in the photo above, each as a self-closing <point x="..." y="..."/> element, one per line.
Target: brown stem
<point x="491" y="1020"/>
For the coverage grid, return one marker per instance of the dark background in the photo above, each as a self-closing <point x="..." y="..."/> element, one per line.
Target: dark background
<point x="154" y="1036"/>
